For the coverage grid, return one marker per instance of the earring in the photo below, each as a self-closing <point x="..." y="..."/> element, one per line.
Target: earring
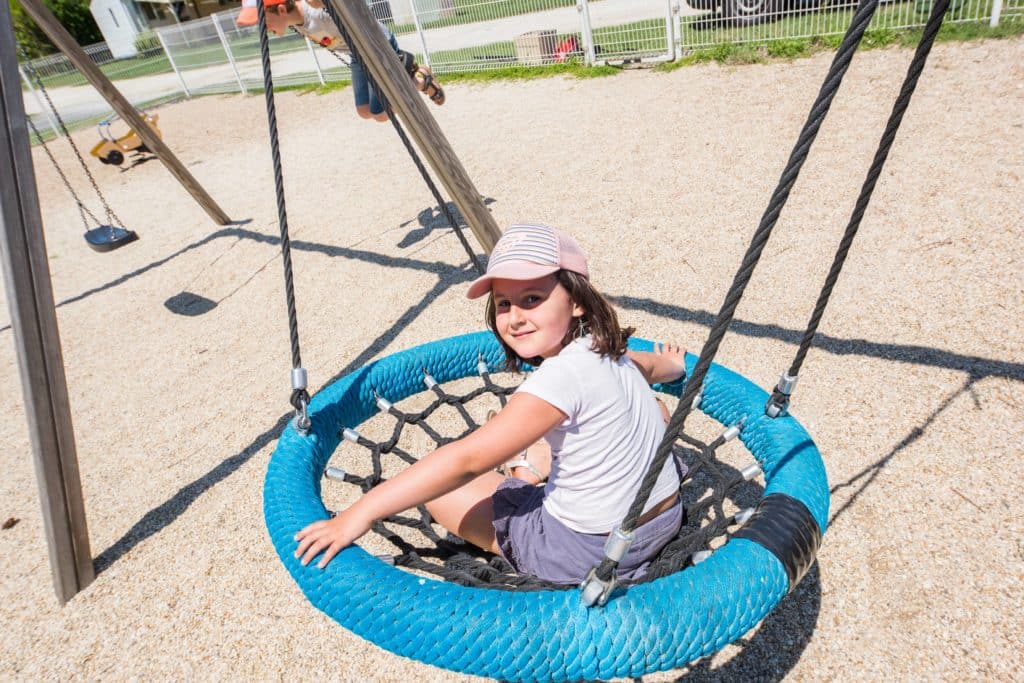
<point x="580" y="329"/>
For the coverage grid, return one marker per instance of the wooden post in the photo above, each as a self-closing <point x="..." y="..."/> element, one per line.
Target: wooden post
<point x="34" y="321"/>
<point x="63" y="40"/>
<point x="379" y="57"/>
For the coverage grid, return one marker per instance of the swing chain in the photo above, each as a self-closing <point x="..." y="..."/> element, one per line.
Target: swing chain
<point x="111" y="216"/>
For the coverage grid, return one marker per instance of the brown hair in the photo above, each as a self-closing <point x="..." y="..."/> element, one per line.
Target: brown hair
<point x="599" y="320"/>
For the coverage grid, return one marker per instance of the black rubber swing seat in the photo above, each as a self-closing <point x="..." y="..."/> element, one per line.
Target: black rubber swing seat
<point x="108" y="238"/>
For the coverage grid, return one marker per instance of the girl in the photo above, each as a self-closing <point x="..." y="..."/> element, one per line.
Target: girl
<point x="310" y="19"/>
<point x="588" y="399"/>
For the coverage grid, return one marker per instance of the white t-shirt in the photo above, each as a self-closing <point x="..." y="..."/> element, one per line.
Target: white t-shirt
<point x="603" y="449"/>
<point x="321" y="29"/>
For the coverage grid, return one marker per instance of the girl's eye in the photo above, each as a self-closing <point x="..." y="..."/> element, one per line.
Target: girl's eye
<point x="501" y="303"/>
<point x="532" y="299"/>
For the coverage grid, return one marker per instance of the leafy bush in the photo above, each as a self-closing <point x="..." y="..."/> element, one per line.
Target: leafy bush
<point x="74" y="15"/>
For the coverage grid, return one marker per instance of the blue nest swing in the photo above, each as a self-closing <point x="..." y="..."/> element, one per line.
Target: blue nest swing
<point x="551" y="634"/>
<point x="547" y="634"/>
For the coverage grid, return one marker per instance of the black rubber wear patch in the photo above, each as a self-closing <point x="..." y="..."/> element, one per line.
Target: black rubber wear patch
<point x="785" y="526"/>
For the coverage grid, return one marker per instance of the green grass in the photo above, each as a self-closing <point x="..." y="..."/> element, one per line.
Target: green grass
<point x="471" y="11"/>
<point x="118" y="127"/>
<point x="752" y="53"/>
<point x="716" y="43"/>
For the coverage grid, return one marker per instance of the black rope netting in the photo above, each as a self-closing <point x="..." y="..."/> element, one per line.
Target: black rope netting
<point x="706" y="489"/>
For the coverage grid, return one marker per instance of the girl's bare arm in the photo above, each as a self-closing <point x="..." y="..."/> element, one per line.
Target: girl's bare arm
<point x="664" y="364"/>
<point x="521" y="423"/>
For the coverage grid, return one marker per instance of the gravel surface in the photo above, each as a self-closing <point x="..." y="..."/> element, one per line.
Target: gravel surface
<point x="914" y="392"/>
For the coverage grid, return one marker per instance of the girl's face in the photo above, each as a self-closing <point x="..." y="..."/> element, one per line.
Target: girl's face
<point x="533" y="316"/>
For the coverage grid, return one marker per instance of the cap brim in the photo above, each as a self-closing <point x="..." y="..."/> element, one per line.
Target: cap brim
<point x="508" y="271"/>
<point x="247" y="17"/>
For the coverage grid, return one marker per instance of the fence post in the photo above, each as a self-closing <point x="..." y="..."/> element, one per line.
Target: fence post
<point x="227" y="51"/>
<point x="43" y="108"/>
<point x="583" y="7"/>
<point x="177" y="71"/>
<point x="316" y="62"/>
<point x="997" y="10"/>
<point x="419" y="31"/>
<point x="670" y="22"/>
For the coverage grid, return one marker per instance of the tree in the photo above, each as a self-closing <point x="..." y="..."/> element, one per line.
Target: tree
<point x="74" y="15"/>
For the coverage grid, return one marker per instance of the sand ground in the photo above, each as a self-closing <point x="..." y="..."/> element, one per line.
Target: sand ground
<point x="914" y="392"/>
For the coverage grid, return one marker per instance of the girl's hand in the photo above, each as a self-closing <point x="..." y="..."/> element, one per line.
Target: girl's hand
<point x="330" y="536"/>
<point x="673" y="360"/>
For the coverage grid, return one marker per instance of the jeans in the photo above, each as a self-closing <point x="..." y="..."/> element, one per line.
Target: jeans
<point x="364" y="93"/>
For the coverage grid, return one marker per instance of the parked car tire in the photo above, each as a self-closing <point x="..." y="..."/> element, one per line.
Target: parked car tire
<point x="747" y="12"/>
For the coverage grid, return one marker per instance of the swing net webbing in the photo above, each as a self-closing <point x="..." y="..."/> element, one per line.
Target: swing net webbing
<point x="711" y="489"/>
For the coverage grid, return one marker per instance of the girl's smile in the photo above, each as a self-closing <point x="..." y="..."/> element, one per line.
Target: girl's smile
<point x="534" y="316"/>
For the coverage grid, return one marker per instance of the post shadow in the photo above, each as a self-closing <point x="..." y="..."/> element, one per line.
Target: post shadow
<point x="273" y="240"/>
<point x="164" y="514"/>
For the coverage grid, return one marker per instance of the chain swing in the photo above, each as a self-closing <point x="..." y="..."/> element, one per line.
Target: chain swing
<point x="102" y="237"/>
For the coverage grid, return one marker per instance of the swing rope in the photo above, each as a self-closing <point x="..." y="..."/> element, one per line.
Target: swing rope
<point x="603" y="573"/>
<point x="405" y="139"/>
<point x="300" y="397"/>
<point x="780" y="395"/>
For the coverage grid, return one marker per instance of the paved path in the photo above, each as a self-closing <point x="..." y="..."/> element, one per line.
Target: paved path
<point x="81" y="102"/>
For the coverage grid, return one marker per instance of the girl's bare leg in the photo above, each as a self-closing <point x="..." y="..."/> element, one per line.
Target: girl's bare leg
<point x="467" y="511"/>
<point x="539" y="456"/>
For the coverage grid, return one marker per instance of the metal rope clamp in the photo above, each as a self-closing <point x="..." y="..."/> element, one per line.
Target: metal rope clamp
<point x="595" y="590"/>
<point x="778" y="402"/>
<point x="302" y="423"/>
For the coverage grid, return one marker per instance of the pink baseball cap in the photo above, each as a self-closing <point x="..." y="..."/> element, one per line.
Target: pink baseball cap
<point x="528" y="251"/>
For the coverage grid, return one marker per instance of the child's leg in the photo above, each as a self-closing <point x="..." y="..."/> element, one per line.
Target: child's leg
<point x="368" y="105"/>
<point x="533" y="465"/>
<point x="468" y="513"/>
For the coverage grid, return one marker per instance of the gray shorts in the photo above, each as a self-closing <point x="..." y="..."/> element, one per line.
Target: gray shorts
<point x="536" y="543"/>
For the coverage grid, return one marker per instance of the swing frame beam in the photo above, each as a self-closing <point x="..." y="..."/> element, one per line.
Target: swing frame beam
<point x="37" y="339"/>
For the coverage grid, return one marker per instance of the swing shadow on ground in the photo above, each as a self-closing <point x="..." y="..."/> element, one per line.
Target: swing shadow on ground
<point x="430" y="219"/>
<point x="178" y="301"/>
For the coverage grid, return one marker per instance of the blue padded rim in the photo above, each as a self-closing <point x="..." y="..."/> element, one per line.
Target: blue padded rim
<point x="542" y="635"/>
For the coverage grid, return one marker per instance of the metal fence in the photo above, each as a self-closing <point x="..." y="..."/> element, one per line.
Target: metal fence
<point x="212" y="55"/>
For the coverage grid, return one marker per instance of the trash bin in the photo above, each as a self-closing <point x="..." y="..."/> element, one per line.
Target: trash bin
<point x="535" y="47"/>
